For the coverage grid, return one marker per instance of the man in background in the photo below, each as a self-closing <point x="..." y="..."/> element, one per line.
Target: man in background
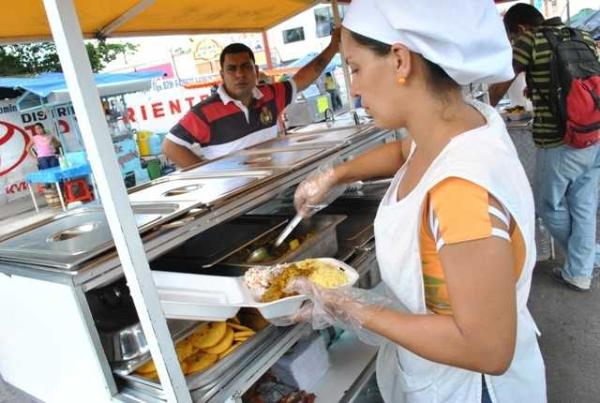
<point x="566" y="178"/>
<point x="240" y="113"/>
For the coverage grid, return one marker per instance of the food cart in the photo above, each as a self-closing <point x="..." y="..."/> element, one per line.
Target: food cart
<point x="78" y="316"/>
<point x="46" y="96"/>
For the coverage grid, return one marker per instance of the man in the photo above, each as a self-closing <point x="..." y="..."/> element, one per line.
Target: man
<point x="241" y="113"/>
<point x="566" y="178"/>
<point x="332" y="89"/>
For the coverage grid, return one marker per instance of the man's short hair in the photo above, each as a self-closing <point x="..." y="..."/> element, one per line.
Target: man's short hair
<point x="236" y="48"/>
<point x="522" y="14"/>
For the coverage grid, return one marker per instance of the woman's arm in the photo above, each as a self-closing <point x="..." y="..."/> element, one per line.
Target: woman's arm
<point x="31" y="150"/>
<point x="480" y="335"/>
<point x="382" y="161"/>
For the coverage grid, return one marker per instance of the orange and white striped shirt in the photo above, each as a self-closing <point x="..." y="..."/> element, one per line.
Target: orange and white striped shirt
<point x="459" y="211"/>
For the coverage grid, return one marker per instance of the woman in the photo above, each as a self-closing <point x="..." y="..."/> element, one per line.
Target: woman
<point x="43" y="147"/>
<point x="455" y="231"/>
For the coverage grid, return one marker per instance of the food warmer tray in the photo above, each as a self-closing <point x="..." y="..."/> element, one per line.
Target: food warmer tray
<point x="217" y="243"/>
<point x="325" y="138"/>
<point x="322" y="243"/>
<point x="69" y="239"/>
<point x="209" y="382"/>
<point x="208" y="191"/>
<point x="248" y="161"/>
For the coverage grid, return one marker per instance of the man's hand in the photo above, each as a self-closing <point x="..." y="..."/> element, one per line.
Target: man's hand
<point x="180" y="155"/>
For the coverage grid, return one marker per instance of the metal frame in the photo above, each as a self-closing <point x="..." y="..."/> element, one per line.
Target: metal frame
<point x="68" y="38"/>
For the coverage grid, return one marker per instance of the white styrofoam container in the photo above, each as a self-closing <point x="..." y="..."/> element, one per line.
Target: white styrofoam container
<point x="217" y="298"/>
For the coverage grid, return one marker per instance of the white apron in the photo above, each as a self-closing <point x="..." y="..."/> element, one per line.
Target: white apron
<point x="487" y="157"/>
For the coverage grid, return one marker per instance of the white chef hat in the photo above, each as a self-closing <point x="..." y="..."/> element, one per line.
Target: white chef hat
<point x="466" y="38"/>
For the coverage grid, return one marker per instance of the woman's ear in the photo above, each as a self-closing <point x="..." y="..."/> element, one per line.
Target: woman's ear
<point x="402" y="59"/>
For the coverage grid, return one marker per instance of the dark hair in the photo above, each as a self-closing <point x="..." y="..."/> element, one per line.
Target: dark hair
<point x="236" y="48"/>
<point x="439" y="80"/>
<point x="522" y="14"/>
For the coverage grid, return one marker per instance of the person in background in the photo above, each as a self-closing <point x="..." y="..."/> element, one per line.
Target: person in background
<point x="241" y="113"/>
<point x="44" y="147"/>
<point x="454" y="232"/>
<point x="332" y="88"/>
<point x="566" y="178"/>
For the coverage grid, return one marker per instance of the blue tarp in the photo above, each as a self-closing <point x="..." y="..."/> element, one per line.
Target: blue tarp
<point x="47" y="83"/>
<point x="304" y="60"/>
<point x="588" y="20"/>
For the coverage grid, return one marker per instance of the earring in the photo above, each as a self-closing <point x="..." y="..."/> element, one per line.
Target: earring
<point x="401" y="80"/>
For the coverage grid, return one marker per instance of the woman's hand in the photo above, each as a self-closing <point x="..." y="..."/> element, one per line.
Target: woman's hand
<point x="318" y="189"/>
<point x="345" y="307"/>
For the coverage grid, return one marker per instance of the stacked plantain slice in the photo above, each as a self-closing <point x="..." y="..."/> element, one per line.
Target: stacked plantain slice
<point x="208" y="344"/>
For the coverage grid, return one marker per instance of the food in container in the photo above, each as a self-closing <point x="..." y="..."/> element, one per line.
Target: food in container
<point x="217" y="298"/>
<point x="517" y="112"/>
<point x="209" y="343"/>
<point x="269" y="283"/>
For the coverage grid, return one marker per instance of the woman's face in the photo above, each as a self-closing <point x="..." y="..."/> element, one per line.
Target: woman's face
<point x="375" y="80"/>
<point x="39" y="129"/>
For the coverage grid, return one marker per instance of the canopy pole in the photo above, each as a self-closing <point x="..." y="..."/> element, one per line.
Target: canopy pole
<point x="86" y="101"/>
<point x="267" y="50"/>
<point x="338" y="23"/>
<point x="125" y="17"/>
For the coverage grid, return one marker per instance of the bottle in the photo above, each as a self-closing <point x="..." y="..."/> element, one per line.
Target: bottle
<point x="155" y="144"/>
<point x="142" y="140"/>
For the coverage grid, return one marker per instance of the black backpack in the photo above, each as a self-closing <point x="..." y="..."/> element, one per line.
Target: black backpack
<point x="574" y="87"/>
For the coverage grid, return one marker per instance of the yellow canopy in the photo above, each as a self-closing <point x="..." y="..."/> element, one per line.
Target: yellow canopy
<point x="25" y="20"/>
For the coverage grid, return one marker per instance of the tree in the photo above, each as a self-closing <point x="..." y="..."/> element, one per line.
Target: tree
<point x="41" y="57"/>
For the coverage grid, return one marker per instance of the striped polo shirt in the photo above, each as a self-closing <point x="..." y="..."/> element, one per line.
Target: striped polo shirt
<point x="221" y="124"/>
<point x="532" y="53"/>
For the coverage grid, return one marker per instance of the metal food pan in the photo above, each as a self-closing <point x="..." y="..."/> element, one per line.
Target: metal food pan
<point x="322" y="243"/>
<point x="69" y="239"/>
<point x="357" y="230"/>
<point x="219" y="373"/>
<point x="217" y="243"/>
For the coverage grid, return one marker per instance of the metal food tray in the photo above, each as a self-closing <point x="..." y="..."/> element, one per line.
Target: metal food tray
<point x="212" y="189"/>
<point x="69" y="239"/>
<point x="248" y="162"/>
<point x="217" y="243"/>
<point x="220" y="372"/>
<point x="330" y="137"/>
<point x="323" y="243"/>
<point x="357" y="230"/>
<point x="179" y="329"/>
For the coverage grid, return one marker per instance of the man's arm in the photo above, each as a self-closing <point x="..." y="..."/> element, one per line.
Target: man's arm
<point x="498" y="90"/>
<point x="309" y="73"/>
<point x="182" y="156"/>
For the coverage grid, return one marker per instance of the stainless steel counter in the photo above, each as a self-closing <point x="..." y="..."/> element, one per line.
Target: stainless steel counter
<point x="105" y="268"/>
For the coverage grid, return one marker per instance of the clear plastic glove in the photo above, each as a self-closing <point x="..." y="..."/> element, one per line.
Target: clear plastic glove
<point x="317" y="191"/>
<point x="343" y="307"/>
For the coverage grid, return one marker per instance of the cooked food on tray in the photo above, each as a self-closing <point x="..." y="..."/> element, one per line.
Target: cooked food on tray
<point x="269" y="283"/>
<point x="515" y="109"/>
<point x="209" y="343"/>
<point x="269" y="253"/>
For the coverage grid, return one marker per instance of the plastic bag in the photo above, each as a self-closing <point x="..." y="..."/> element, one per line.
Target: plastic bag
<point x="318" y="190"/>
<point x="342" y="307"/>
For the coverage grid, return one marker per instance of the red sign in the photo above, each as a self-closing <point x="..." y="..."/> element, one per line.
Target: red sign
<point x="11" y="138"/>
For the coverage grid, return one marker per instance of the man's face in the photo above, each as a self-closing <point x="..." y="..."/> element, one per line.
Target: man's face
<point x="239" y="75"/>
